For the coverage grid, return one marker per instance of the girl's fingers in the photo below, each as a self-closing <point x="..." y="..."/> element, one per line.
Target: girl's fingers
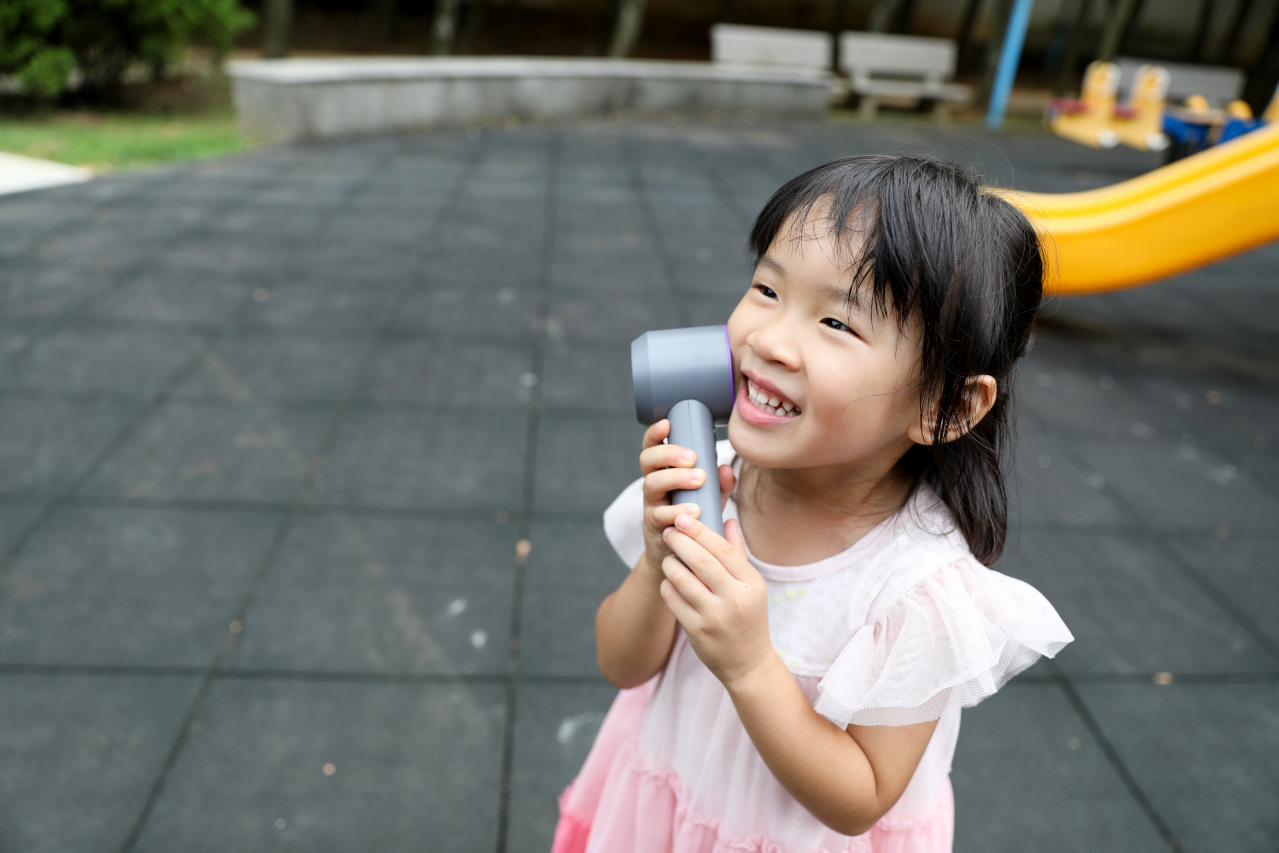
<point x="656" y="433"/>
<point x="708" y="568"/>
<point x="689" y="586"/>
<point x="680" y="609"/>
<point x="659" y="483"/>
<point x="727" y="482"/>
<point x="664" y="516"/>
<point x="665" y="456"/>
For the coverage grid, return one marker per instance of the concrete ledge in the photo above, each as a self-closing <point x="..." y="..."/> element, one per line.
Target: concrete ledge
<point x="295" y="99"/>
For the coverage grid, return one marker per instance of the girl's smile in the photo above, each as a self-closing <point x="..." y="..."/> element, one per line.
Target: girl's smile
<point x="762" y="404"/>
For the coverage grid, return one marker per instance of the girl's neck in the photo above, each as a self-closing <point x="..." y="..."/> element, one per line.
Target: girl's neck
<point x="800" y="516"/>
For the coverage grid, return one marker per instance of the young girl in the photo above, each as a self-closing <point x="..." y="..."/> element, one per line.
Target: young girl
<point x="796" y="686"/>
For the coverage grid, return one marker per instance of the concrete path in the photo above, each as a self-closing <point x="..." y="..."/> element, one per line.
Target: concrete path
<point x="304" y="453"/>
<point x="20" y="174"/>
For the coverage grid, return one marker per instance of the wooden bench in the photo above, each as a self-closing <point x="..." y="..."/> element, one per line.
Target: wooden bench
<point x="901" y="67"/>
<point x="770" y="46"/>
<point x="878" y="66"/>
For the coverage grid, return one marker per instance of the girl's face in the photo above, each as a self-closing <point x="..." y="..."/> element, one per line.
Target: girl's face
<point x="820" y="381"/>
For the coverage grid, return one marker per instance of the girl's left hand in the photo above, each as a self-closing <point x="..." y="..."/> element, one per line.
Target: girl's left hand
<point x="718" y="597"/>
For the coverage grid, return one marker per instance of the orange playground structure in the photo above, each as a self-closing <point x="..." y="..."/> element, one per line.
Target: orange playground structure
<point x="1196" y="211"/>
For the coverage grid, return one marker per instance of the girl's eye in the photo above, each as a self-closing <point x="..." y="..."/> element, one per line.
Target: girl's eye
<point x="768" y="292"/>
<point x="836" y="325"/>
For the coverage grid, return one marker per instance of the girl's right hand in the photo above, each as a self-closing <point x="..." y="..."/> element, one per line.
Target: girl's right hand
<point x="667" y="467"/>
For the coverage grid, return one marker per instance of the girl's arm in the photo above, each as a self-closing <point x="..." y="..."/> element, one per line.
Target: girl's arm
<point x="634" y="629"/>
<point x="848" y="778"/>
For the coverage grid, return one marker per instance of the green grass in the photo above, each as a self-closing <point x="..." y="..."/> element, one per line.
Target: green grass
<point x="111" y="141"/>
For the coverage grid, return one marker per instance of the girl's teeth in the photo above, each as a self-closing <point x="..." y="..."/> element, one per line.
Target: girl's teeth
<point x="770" y="404"/>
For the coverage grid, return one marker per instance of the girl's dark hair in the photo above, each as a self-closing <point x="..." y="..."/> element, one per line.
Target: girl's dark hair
<point x="930" y="242"/>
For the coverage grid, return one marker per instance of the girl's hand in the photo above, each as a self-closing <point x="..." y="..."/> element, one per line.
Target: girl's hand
<point x="718" y="598"/>
<point x="667" y="467"/>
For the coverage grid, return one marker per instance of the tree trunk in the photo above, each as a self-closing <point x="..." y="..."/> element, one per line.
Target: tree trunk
<point x="1001" y="11"/>
<point x="966" y="26"/>
<point x="837" y="27"/>
<point x="444" y="27"/>
<point x="474" y="23"/>
<point x="1200" y="45"/>
<point x="1070" y="51"/>
<point x="509" y="18"/>
<point x="1117" y="25"/>
<point x="630" y="20"/>
<point x="1263" y="77"/>
<point x="881" y="15"/>
<point x="1230" y="43"/>
<point x="375" y="25"/>
<point x="277" y="27"/>
<point x="904" y="14"/>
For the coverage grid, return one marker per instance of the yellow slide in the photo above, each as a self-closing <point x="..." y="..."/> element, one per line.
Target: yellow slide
<point x="1194" y="212"/>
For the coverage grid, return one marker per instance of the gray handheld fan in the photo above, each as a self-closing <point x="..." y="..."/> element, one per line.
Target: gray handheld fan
<point x="686" y="375"/>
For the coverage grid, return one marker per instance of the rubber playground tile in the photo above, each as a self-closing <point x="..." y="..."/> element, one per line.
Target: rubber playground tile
<point x="138" y="361"/>
<point x="14" y="520"/>
<point x="518" y="267"/>
<point x="584" y="461"/>
<point x="384" y="595"/>
<point x="335" y="766"/>
<point x="451" y="374"/>
<point x="1050" y="485"/>
<point x="1029" y="775"/>
<point x="1243" y="569"/>
<point x="1202" y="753"/>
<point x="202" y="452"/>
<point x="129" y="587"/>
<point x="555" y="726"/>
<point x="1174" y="485"/>
<point x="571" y="569"/>
<point x="631" y="271"/>
<point x="300" y="304"/>
<point x="711" y="310"/>
<point x="173" y="298"/>
<point x="429" y="460"/>
<point x="46" y="444"/>
<point x="1132" y="609"/>
<point x="479" y="312"/>
<point x="591" y="378"/>
<point x="41" y="290"/>
<point x="615" y="320"/>
<point x="257" y="366"/>
<point x="95" y="741"/>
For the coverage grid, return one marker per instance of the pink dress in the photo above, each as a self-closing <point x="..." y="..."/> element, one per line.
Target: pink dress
<point x="903" y="627"/>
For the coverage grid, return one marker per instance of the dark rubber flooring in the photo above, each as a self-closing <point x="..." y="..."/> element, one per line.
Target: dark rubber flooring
<point x="302" y="456"/>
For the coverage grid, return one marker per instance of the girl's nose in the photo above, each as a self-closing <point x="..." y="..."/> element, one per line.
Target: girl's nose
<point x="775" y="342"/>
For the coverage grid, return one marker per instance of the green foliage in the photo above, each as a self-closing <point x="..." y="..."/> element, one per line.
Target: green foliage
<point x="42" y="40"/>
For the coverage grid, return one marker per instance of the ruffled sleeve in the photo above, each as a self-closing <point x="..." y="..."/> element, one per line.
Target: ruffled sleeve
<point x="951" y="640"/>
<point x="624" y="518"/>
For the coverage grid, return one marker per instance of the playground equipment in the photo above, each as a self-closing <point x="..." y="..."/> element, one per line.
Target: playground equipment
<point x="1088" y="119"/>
<point x="1140" y="122"/>
<point x="1188" y="214"/>
<point x="1146" y="122"/>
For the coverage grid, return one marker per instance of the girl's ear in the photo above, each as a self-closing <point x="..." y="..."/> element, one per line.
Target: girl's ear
<point x="980" y="393"/>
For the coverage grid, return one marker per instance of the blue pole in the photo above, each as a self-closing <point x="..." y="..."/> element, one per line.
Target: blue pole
<point x="1009" y="56"/>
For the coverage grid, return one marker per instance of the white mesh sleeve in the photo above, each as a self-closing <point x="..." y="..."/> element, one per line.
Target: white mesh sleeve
<point x="952" y="640"/>
<point x="624" y="523"/>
